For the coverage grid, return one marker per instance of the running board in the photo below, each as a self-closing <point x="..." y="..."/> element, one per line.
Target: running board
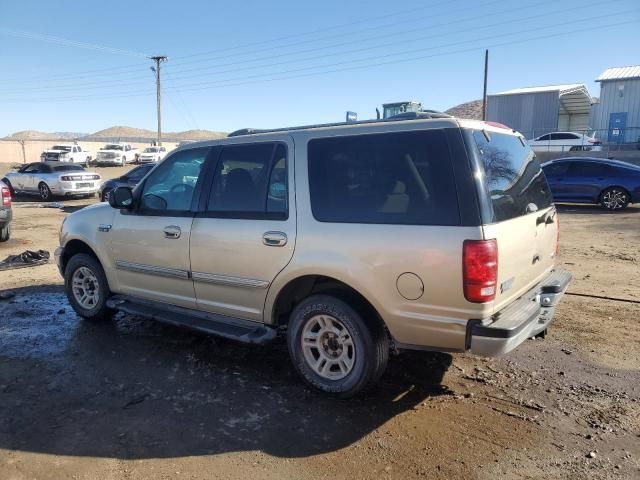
<point x="228" y="327"/>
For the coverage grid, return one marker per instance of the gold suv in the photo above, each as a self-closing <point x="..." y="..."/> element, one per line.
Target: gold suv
<point x="357" y="239"/>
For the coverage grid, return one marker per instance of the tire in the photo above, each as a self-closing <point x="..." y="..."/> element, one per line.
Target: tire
<point x="614" y="198"/>
<point x="86" y="287"/>
<point x="5" y="232"/>
<point x="124" y="161"/>
<point x="105" y="194"/>
<point x="45" y="192"/>
<point x="345" y="363"/>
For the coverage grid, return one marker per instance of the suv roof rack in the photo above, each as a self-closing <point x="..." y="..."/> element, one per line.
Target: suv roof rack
<point x="427" y="114"/>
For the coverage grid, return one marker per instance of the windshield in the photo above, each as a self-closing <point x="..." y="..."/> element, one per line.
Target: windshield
<point x="68" y="168"/>
<point x="66" y="148"/>
<point x="113" y="147"/>
<point x="151" y="149"/>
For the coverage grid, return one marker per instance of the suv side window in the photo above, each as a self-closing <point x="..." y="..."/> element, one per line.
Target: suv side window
<point x="250" y="182"/>
<point x="401" y="178"/>
<point x="171" y="185"/>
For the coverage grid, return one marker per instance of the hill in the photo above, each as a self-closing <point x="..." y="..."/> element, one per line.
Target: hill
<point x="471" y="110"/>
<point x="31" y="135"/>
<point x="117" y="132"/>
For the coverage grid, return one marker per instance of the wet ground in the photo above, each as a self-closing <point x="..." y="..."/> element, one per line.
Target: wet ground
<point x="130" y="398"/>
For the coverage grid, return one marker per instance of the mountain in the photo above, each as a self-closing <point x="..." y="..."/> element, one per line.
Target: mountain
<point x="471" y="110"/>
<point x="31" y="135"/>
<point x="117" y="132"/>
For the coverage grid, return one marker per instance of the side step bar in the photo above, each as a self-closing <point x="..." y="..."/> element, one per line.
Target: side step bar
<point x="228" y="327"/>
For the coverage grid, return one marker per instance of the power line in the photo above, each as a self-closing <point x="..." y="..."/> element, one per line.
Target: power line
<point x="358" y="67"/>
<point x="100" y="84"/>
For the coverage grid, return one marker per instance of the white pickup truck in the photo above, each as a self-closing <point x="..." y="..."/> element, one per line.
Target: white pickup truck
<point x="66" y="153"/>
<point x="116" y="154"/>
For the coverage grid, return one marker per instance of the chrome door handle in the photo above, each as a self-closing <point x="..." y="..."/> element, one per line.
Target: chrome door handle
<point x="274" y="239"/>
<point x="172" y="231"/>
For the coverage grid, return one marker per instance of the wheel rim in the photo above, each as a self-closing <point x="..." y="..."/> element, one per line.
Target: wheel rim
<point x="106" y="195"/>
<point x="614" y="199"/>
<point x="44" y="192"/>
<point x="84" y="284"/>
<point x="328" y="347"/>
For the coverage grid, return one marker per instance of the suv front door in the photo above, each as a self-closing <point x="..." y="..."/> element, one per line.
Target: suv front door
<point x="246" y="235"/>
<point x="150" y="243"/>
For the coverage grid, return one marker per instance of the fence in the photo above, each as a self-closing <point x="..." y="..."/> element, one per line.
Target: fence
<point x="611" y="140"/>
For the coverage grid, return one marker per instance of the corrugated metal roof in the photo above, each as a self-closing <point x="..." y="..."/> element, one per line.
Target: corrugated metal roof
<point x="619" y="73"/>
<point x="561" y="89"/>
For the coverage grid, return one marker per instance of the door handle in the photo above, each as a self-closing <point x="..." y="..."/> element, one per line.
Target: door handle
<point x="172" y="231"/>
<point x="274" y="239"/>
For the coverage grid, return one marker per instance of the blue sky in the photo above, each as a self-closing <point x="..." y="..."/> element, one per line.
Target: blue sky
<point x="80" y="66"/>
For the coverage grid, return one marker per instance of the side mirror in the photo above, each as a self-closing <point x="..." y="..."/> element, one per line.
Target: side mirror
<point x="121" y="197"/>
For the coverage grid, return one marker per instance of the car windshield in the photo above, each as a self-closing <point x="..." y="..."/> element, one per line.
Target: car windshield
<point x="151" y="149"/>
<point x="113" y="147"/>
<point x="68" y="168"/>
<point x="66" y="148"/>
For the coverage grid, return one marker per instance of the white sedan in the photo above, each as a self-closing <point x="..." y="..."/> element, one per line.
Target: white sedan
<point x="152" y="154"/>
<point x="565" y="142"/>
<point x="47" y="179"/>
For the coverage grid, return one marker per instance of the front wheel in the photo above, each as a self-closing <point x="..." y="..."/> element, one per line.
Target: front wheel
<point x="614" y="198"/>
<point x="106" y="194"/>
<point x="86" y="287"/>
<point x="45" y="192"/>
<point x="332" y="347"/>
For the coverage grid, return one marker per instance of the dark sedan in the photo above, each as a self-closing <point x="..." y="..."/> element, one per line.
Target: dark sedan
<point x="129" y="179"/>
<point x="610" y="183"/>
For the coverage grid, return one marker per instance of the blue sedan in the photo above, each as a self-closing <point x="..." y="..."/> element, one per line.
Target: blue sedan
<point x="610" y="183"/>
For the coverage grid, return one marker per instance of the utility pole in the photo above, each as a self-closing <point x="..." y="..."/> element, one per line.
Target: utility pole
<point x="484" y="94"/>
<point x="158" y="59"/>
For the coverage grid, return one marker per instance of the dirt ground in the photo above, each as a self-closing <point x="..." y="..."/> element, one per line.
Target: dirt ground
<point x="136" y="399"/>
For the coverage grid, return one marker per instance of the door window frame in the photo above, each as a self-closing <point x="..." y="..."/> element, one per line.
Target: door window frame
<point x="202" y="209"/>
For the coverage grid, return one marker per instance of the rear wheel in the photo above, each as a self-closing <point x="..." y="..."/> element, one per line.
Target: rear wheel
<point x="614" y="198"/>
<point x="5" y="232"/>
<point x="332" y="347"/>
<point x="45" y="192"/>
<point x="86" y="287"/>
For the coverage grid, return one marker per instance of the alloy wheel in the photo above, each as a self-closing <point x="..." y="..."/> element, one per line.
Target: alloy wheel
<point x="84" y="284"/>
<point x="328" y="347"/>
<point x="614" y="199"/>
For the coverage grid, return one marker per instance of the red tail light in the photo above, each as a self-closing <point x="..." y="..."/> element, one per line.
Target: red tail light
<point x="557" y="235"/>
<point x="6" y="196"/>
<point x="480" y="270"/>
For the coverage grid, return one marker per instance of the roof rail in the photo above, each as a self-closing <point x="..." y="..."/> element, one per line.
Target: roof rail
<point x="395" y="118"/>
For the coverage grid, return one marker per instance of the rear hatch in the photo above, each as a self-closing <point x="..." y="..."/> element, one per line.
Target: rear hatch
<point x="520" y="213"/>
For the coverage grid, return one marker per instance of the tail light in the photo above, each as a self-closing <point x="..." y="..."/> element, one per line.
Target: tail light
<point x="69" y="178"/>
<point x="557" y="235"/>
<point x="480" y="270"/>
<point x="6" y="196"/>
<point x="95" y="177"/>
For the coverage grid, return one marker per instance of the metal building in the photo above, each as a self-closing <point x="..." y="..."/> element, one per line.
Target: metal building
<point x="616" y="117"/>
<point x="534" y="111"/>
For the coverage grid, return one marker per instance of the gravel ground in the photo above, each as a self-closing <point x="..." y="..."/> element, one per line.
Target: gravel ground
<point x="135" y="399"/>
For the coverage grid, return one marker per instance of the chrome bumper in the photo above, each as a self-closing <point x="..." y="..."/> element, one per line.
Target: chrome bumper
<point x="524" y="318"/>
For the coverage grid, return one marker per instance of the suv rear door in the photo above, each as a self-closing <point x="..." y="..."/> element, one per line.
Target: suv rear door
<point x="523" y="218"/>
<point x="246" y="232"/>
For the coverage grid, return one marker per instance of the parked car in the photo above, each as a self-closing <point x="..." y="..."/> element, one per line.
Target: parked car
<point x="66" y="153"/>
<point x="152" y="154"/>
<point x="49" y="179"/>
<point x="131" y="179"/>
<point x="435" y="234"/>
<point x="565" y="142"/>
<point x="5" y="212"/>
<point x="610" y="183"/>
<point x="116" y="154"/>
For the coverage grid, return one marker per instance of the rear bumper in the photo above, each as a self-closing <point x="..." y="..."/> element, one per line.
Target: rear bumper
<point x="524" y="318"/>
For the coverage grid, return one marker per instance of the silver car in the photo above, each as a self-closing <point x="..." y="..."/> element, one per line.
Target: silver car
<point x="47" y="179"/>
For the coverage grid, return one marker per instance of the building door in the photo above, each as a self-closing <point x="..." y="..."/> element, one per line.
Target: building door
<point x="617" y="126"/>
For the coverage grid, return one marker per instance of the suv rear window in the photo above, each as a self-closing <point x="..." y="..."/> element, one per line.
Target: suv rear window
<point x="513" y="175"/>
<point x="391" y="178"/>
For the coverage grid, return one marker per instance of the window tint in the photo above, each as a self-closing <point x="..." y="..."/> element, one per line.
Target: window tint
<point x="587" y="169"/>
<point x="33" y="168"/>
<point x="250" y="179"/>
<point x="171" y="185"/>
<point x="391" y="178"/>
<point x="68" y="168"/>
<point x="556" y="169"/>
<point x="138" y="172"/>
<point x="513" y="176"/>
<point x="543" y="138"/>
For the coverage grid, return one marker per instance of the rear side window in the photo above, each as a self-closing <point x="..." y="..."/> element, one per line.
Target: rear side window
<point x="392" y="178"/>
<point x="587" y="169"/>
<point x="513" y="176"/>
<point x="68" y="168"/>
